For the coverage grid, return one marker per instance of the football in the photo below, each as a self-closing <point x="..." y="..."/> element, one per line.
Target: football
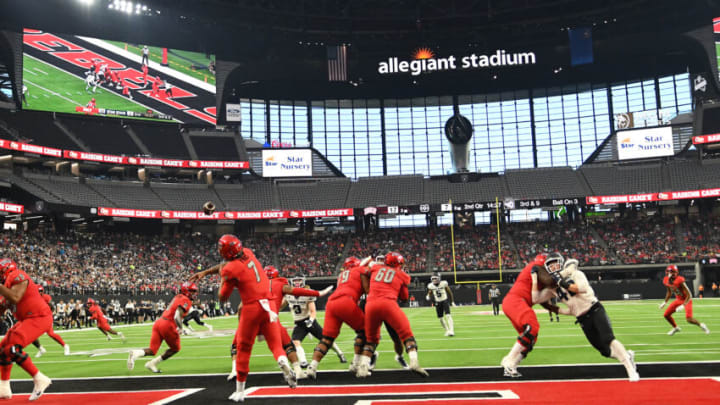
<point x="544" y="278"/>
<point x="208" y="208"/>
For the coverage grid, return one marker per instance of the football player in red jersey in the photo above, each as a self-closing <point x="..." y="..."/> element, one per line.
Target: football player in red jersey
<point x="342" y="307"/>
<point x="388" y="282"/>
<point x="258" y="316"/>
<point x="96" y="313"/>
<point x="167" y="328"/>
<point x="34" y="319"/>
<point x="675" y="284"/>
<point x="144" y="75"/>
<point x="41" y="350"/>
<point x="517" y="306"/>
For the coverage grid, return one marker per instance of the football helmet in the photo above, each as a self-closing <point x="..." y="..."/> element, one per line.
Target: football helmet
<point x="298" y="280"/>
<point x="672" y="271"/>
<point x="90" y="302"/>
<point x="93" y="100"/>
<point x="6" y="266"/>
<point x="380" y="259"/>
<point x="351" y="262"/>
<point x="229" y="247"/>
<point x="435" y="278"/>
<point x="394" y="259"/>
<point x="554" y="262"/>
<point x="189" y="290"/>
<point x="271" y="272"/>
<point x="41" y="289"/>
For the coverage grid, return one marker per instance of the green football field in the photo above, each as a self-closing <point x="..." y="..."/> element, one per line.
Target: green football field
<point x="480" y="340"/>
<point x="193" y="64"/>
<point x="51" y="89"/>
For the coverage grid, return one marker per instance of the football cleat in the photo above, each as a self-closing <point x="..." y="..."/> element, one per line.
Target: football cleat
<point x="209" y="327"/>
<point x="363" y="370"/>
<point x="342" y="358"/>
<point x="41" y="382"/>
<point x="132" y="356"/>
<point x="150" y="365"/>
<point x="508" y="369"/>
<point x="66" y="349"/>
<point x="311" y="372"/>
<point x="121" y="336"/>
<point x="353" y="368"/>
<point x="400" y="359"/>
<point x="674" y="331"/>
<point x="633" y="375"/>
<point x="705" y="328"/>
<point x="109" y="338"/>
<point x="5" y="391"/>
<point x="40" y="352"/>
<point x="237" y="396"/>
<point x="415" y="367"/>
<point x="288" y="373"/>
<point x="373" y="360"/>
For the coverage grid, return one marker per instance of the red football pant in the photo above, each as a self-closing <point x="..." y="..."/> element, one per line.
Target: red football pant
<point x="255" y="320"/>
<point x="520" y="314"/>
<point x="22" y="334"/>
<point x="382" y="310"/>
<point x="339" y="310"/>
<point x="167" y="331"/>
<point x="674" y="306"/>
<point x="103" y="325"/>
<point x="55" y="336"/>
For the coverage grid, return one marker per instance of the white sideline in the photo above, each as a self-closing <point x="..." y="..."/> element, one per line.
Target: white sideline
<point x="138" y="59"/>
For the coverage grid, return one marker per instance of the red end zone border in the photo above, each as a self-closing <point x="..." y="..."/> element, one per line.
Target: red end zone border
<point x="654" y="391"/>
<point x="152" y="397"/>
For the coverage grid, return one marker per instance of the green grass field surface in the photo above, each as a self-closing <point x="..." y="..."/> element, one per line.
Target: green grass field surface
<point x="480" y="340"/>
<point x="51" y="89"/>
<point x="177" y="60"/>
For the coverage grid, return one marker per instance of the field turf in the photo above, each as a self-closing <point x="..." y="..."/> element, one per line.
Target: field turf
<point x="51" y="89"/>
<point x="480" y="340"/>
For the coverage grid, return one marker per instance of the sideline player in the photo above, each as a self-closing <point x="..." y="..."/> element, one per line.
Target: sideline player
<point x="102" y="322"/>
<point x="517" y="306"/>
<point x="675" y="284"/>
<point x="388" y="282"/>
<point x="244" y="272"/>
<point x="438" y="291"/>
<point x="304" y="314"/>
<point x="494" y="296"/>
<point x="34" y="319"/>
<point x="167" y="328"/>
<point x="575" y="292"/>
<point x="41" y="350"/>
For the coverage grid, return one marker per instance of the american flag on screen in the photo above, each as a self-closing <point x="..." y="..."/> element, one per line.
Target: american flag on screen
<point x="337" y="63"/>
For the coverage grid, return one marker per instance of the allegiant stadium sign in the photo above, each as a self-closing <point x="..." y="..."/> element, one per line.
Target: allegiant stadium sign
<point x="429" y="63"/>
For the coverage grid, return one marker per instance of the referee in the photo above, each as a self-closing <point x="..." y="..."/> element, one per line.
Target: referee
<point x="494" y="295"/>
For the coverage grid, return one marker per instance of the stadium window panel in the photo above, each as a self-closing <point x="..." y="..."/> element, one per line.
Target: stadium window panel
<point x="495" y="135"/>
<point x="512" y="159"/>
<point x="497" y="160"/>
<point x="557" y="132"/>
<point x="542" y="132"/>
<point x="570" y="105"/>
<point x="393" y="164"/>
<point x="682" y="90"/>
<point x="544" y="156"/>
<point x="524" y="132"/>
<point x="376" y="165"/>
<point x="494" y="114"/>
<point x="574" y="154"/>
<point x="510" y="136"/>
<point x="526" y="157"/>
<point x="649" y="99"/>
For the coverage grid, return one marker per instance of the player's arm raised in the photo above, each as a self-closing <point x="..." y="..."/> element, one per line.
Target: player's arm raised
<point x="212" y="270"/>
<point x="15" y="293"/>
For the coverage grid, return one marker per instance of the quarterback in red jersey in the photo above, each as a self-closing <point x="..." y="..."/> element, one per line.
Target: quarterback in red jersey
<point x="166" y="329"/>
<point x="388" y="282"/>
<point x="34" y="319"/>
<point x="342" y="307"/>
<point x="96" y="313"/>
<point x="41" y="350"/>
<point x="517" y="306"/>
<point x="675" y="284"/>
<point x="258" y="316"/>
<point x="279" y="286"/>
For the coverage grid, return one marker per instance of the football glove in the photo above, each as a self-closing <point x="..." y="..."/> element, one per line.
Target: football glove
<point x="309" y="322"/>
<point x="565" y="283"/>
<point x="427" y="297"/>
<point x="454" y="304"/>
<point x="662" y="305"/>
<point x="556" y="276"/>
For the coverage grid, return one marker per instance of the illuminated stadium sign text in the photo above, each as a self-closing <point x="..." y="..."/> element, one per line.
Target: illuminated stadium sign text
<point x="432" y="64"/>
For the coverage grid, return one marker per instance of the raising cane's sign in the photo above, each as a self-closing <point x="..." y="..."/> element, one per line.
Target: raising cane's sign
<point x="649" y="197"/>
<point x="232" y="215"/>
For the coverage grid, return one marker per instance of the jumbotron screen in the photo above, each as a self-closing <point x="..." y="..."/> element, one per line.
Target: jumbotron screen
<point x="82" y="75"/>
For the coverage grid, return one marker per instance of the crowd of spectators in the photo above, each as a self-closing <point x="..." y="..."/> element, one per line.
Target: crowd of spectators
<point x="702" y="238"/>
<point x="312" y="255"/>
<point x="413" y="243"/>
<point x="644" y="240"/>
<point x="575" y="241"/>
<point x="476" y="248"/>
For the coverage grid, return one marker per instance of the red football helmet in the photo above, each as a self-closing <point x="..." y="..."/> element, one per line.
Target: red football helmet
<point x="229" y="246"/>
<point x="672" y="271"/>
<point x="41" y="289"/>
<point x="90" y="302"/>
<point x="394" y="259"/>
<point x="271" y="272"/>
<point x="6" y="266"/>
<point x="189" y="290"/>
<point x="351" y="262"/>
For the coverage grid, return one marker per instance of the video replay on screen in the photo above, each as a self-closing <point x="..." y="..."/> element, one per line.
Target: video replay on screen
<point x="98" y="77"/>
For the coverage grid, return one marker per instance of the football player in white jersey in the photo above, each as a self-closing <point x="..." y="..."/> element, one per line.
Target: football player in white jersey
<point x="439" y="292"/>
<point x="576" y="293"/>
<point x="90" y="82"/>
<point x="304" y="314"/>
